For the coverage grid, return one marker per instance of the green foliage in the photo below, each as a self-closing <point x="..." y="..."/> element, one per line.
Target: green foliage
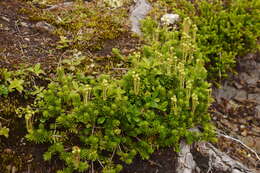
<point x="3" y="90"/>
<point x="114" y="3"/>
<point x="226" y="29"/>
<point x="16" y="84"/>
<point x="4" y="131"/>
<point x="8" y="83"/>
<point x="13" y="83"/>
<point x="155" y="104"/>
<point x="36" y="70"/>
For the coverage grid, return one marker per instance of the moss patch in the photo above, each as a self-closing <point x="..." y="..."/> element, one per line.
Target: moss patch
<point x="83" y="25"/>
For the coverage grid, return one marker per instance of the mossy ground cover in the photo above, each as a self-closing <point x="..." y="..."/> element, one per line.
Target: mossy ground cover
<point x="83" y="25"/>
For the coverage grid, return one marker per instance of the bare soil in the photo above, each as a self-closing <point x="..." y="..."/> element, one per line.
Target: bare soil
<point x="21" y="42"/>
<point x="236" y="111"/>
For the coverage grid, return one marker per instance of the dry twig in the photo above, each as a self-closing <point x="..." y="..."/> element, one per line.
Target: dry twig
<point x="236" y="140"/>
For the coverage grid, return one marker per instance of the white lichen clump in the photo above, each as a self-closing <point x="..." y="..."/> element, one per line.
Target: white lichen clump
<point x="170" y="19"/>
<point x="114" y="3"/>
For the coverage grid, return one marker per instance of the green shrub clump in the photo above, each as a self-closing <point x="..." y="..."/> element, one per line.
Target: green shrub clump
<point x="155" y="104"/>
<point x="226" y="29"/>
<point x="13" y="85"/>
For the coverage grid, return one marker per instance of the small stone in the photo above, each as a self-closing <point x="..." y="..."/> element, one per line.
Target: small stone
<point x="170" y="19"/>
<point x="44" y="26"/>
<point x="242" y="126"/>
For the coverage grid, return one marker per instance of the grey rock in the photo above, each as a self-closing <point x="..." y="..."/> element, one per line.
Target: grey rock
<point x="170" y="19"/>
<point x="44" y="26"/>
<point x="138" y="12"/>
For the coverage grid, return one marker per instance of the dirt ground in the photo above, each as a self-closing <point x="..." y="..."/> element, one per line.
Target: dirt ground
<point x="236" y="110"/>
<point x="27" y="42"/>
<point x="21" y="42"/>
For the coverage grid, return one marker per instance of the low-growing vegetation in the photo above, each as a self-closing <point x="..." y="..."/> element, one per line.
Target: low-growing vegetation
<point x="226" y="29"/>
<point x="14" y="86"/>
<point x="91" y="116"/>
<point x="81" y="25"/>
<point x="155" y="104"/>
